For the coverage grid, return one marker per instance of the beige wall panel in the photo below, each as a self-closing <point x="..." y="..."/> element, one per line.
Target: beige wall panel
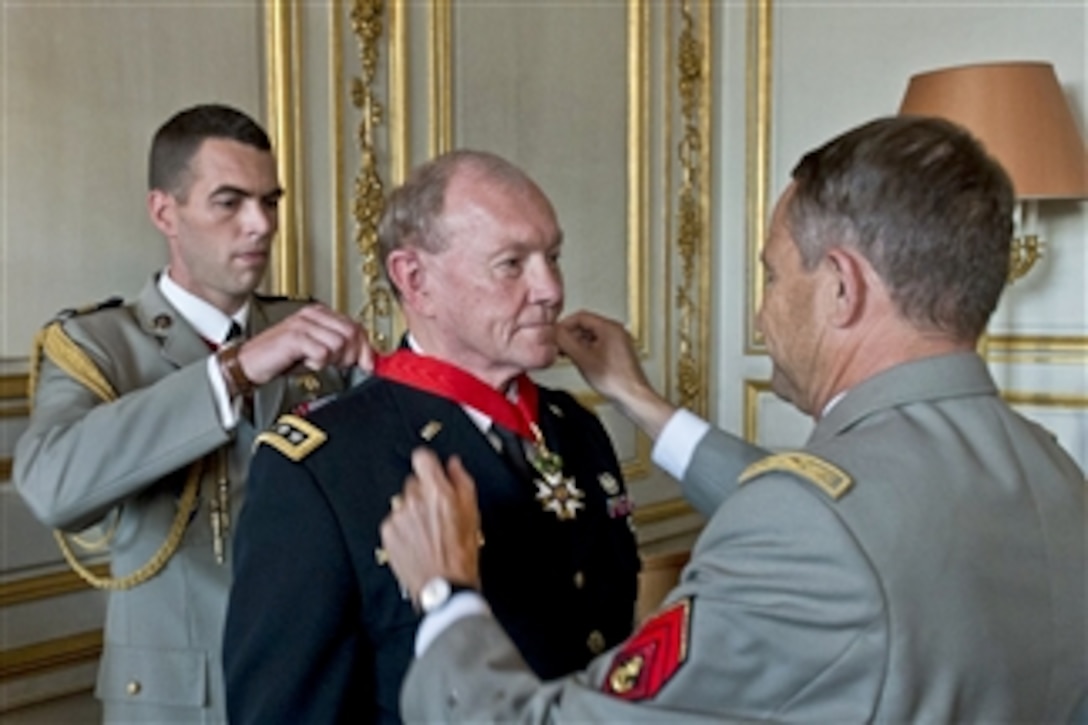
<point x="85" y="85"/>
<point x="45" y="686"/>
<point x="549" y="93"/>
<point x="62" y="616"/>
<point x="25" y="544"/>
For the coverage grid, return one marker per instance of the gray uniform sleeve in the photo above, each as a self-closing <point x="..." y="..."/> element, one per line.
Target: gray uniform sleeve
<point x="715" y="466"/>
<point x="785" y="621"/>
<point x="80" y="456"/>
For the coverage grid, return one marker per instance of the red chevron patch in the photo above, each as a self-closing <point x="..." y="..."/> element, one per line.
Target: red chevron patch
<point x="652" y="656"/>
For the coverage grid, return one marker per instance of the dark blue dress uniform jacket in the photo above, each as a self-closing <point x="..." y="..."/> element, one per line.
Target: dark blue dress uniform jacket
<point x="317" y="629"/>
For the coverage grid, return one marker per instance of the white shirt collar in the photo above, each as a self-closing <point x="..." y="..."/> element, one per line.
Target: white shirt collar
<point x="832" y="403"/>
<point x="208" y="320"/>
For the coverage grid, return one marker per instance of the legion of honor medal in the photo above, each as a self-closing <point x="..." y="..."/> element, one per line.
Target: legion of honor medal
<point x="555" y="492"/>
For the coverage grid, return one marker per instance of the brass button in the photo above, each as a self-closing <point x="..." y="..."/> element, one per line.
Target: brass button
<point x="133" y="688"/>
<point x="595" y="642"/>
<point x="579" y="580"/>
<point x="162" y="322"/>
<point x="309" y="383"/>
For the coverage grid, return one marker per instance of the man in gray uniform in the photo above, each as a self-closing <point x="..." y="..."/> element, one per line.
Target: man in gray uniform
<point x="921" y="559"/>
<point x="145" y="417"/>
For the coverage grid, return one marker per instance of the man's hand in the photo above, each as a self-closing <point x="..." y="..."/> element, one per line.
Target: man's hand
<point x="605" y="355"/>
<point x="314" y="337"/>
<point x="433" y="529"/>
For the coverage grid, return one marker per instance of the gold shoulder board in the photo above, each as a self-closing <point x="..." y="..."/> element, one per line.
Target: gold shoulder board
<point x="293" y="436"/>
<point x="828" y="477"/>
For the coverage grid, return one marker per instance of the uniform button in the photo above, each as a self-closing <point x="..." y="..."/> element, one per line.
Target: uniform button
<point x="133" y="688"/>
<point x="309" y="383"/>
<point x="579" y="580"/>
<point x="595" y="642"/>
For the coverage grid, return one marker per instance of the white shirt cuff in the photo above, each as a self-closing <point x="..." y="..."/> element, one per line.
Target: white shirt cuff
<point x="460" y="605"/>
<point x="675" y="446"/>
<point x="229" y="410"/>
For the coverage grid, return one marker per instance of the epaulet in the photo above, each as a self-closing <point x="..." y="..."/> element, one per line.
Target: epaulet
<point x="826" y="476"/>
<point x="293" y="436"/>
<point x="70" y="312"/>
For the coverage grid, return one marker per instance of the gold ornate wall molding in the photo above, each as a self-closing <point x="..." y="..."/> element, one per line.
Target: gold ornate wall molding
<point x="50" y="656"/>
<point x="377" y="313"/>
<point x="752" y="390"/>
<point x="13" y="396"/>
<point x="692" y="233"/>
<point x="283" y="31"/>
<point x="758" y="80"/>
<point x="1045" y="400"/>
<point x="13" y="387"/>
<point x="1045" y="349"/>
<point x="46" y="586"/>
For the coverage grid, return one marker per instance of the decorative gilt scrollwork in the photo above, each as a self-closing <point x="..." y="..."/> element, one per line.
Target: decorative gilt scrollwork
<point x="691" y="224"/>
<point x="1023" y="254"/>
<point x="376" y="314"/>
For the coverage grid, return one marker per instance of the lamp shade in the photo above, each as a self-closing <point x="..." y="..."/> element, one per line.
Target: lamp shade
<point x="1019" y="113"/>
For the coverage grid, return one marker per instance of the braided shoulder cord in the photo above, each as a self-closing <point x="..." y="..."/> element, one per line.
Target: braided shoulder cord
<point x="54" y="343"/>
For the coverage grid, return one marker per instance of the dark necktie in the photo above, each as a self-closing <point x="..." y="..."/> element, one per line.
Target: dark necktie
<point x="513" y="450"/>
<point x="235" y="333"/>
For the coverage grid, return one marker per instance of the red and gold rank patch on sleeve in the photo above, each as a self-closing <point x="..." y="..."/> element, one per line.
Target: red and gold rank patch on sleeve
<point x="652" y="656"/>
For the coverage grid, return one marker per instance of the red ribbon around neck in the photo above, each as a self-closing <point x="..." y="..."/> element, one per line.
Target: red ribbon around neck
<point x="453" y="383"/>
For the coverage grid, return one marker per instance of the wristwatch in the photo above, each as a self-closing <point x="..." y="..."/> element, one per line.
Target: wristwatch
<point x="437" y="591"/>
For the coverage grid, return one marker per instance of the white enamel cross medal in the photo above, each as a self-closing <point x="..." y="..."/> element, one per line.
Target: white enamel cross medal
<point x="555" y="492"/>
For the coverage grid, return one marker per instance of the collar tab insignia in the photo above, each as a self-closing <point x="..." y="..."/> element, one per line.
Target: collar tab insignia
<point x="429" y="431"/>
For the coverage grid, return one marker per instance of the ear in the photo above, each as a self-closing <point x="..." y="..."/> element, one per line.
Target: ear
<point x="850" y="283"/>
<point x="162" y="208"/>
<point x="409" y="275"/>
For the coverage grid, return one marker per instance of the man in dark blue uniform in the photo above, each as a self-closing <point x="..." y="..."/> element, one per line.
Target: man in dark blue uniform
<point x="318" y="629"/>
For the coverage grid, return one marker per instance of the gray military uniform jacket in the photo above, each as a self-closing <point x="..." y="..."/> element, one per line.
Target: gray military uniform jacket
<point x="923" y="560"/>
<point x="81" y="458"/>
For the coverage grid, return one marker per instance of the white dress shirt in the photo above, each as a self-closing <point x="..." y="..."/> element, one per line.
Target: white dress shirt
<point x="212" y="324"/>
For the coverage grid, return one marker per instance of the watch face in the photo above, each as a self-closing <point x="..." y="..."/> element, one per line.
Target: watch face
<point x="434" y="594"/>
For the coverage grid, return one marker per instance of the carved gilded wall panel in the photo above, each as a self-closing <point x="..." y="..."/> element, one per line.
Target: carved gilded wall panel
<point x="606" y="105"/>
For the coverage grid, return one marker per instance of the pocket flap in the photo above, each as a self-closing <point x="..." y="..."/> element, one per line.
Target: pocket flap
<point x="175" y="677"/>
